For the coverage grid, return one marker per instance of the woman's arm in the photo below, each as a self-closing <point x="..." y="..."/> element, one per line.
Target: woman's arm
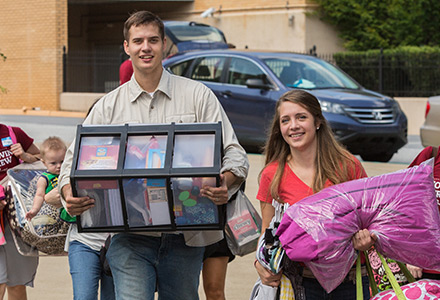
<point x="27" y="156"/>
<point x="267" y="213"/>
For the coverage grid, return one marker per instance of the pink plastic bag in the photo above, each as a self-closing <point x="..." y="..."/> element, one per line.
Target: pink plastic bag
<point x="400" y="208"/>
<point x="2" y="197"/>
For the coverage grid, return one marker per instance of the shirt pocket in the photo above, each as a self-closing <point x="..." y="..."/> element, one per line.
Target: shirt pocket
<point x="181" y="118"/>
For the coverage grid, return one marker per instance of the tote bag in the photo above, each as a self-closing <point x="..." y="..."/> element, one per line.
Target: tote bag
<point x="415" y="290"/>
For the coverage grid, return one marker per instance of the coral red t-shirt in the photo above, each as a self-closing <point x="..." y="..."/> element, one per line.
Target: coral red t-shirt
<point x="424" y="155"/>
<point x="125" y="71"/>
<point x="7" y="159"/>
<point x="292" y="189"/>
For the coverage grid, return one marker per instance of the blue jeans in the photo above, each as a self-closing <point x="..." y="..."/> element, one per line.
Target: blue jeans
<point x="345" y="291"/>
<point x="140" y="264"/>
<point x="86" y="272"/>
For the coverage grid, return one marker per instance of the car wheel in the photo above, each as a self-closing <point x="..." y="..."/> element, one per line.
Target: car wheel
<point x="379" y="157"/>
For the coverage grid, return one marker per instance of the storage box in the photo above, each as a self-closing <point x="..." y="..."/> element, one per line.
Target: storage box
<point x="148" y="177"/>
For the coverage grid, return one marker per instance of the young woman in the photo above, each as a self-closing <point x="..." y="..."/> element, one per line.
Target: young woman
<point x="16" y="271"/>
<point x="302" y="158"/>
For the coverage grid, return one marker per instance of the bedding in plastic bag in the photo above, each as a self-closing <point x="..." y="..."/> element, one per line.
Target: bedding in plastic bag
<point x="46" y="232"/>
<point x="399" y="207"/>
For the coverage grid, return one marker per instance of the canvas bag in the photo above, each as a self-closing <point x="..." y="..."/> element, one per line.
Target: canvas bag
<point x="46" y="232"/>
<point x="379" y="274"/>
<point x="415" y="290"/>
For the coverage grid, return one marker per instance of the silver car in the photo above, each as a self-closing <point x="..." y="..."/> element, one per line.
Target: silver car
<point x="430" y="130"/>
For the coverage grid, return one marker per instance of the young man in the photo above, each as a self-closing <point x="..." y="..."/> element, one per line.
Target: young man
<point x="170" y="262"/>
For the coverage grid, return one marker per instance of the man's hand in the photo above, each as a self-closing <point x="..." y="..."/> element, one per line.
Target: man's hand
<point x="76" y="205"/>
<point x="363" y="240"/>
<point x="218" y="195"/>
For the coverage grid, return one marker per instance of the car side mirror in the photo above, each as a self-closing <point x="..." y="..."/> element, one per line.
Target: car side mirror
<point x="257" y="83"/>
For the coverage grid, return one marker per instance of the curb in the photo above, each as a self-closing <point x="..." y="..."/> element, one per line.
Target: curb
<point x="52" y="113"/>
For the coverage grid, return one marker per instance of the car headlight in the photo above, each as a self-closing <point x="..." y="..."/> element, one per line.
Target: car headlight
<point x="330" y="107"/>
<point x="396" y="106"/>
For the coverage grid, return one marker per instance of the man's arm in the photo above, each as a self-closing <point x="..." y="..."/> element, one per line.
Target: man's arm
<point x="235" y="159"/>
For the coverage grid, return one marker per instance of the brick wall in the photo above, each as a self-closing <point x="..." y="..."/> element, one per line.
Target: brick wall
<point x="32" y="34"/>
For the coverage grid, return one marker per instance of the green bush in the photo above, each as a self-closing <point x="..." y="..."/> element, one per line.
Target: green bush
<point x="406" y="70"/>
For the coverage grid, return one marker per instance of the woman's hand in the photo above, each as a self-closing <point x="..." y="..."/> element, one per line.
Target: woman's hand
<point x="28" y="156"/>
<point x="363" y="240"/>
<point x="266" y="276"/>
<point x="17" y="150"/>
<point x="415" y="271"/>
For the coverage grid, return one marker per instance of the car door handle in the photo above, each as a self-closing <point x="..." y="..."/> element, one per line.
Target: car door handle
<point x="226" y="94"/>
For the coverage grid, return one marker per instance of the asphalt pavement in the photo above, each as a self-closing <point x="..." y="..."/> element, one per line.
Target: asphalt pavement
<point x="53" y="278"/>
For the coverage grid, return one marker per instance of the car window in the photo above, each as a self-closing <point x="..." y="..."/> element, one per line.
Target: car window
<point x="309" y="74"/>
<point x="195" y="31"/>
<point x="180" y="68"/>
<point x="241" y="70"/>
<point x="208" y="69"/>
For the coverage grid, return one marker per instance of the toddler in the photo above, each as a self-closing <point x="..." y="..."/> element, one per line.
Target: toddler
<point x="52" y="152"/>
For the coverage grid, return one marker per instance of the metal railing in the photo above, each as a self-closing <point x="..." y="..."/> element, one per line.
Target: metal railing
<point x="91" y="71"/>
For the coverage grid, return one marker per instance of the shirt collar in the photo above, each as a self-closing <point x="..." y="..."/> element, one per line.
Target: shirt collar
<point x="135" y="90"/>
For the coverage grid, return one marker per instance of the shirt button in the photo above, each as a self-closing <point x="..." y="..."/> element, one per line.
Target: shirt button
<point x="152" y="106"/>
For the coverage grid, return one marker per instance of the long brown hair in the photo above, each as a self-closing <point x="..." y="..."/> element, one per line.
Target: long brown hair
<point x="333" y="161"/>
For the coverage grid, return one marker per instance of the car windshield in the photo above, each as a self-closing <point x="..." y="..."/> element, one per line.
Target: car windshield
<point x="195" y="32"/>
<point x="309" y="73"/>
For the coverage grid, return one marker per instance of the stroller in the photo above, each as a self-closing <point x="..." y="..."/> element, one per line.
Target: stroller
<point x="46" y="232"/>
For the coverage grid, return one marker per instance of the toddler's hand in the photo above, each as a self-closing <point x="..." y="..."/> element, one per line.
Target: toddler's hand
<point x="32" y="213"/>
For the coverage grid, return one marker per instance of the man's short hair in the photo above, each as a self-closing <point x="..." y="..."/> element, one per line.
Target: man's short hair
<point x="143" y="18"/>
<point x="52" y="143"/>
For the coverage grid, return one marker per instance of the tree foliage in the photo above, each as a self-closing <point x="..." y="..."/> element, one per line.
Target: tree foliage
<point x="374" y="24"/>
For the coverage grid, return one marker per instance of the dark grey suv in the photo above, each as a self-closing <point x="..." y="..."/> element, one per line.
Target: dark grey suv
<point x="249" y="83"/>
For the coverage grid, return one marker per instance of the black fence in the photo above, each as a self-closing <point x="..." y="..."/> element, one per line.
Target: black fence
<point x="397" y="75"/>
<point x="92" y="71"/>
<point x="98" y="71"/>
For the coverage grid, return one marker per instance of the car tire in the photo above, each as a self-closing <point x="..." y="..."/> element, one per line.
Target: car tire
<point x="379" y="157"/>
